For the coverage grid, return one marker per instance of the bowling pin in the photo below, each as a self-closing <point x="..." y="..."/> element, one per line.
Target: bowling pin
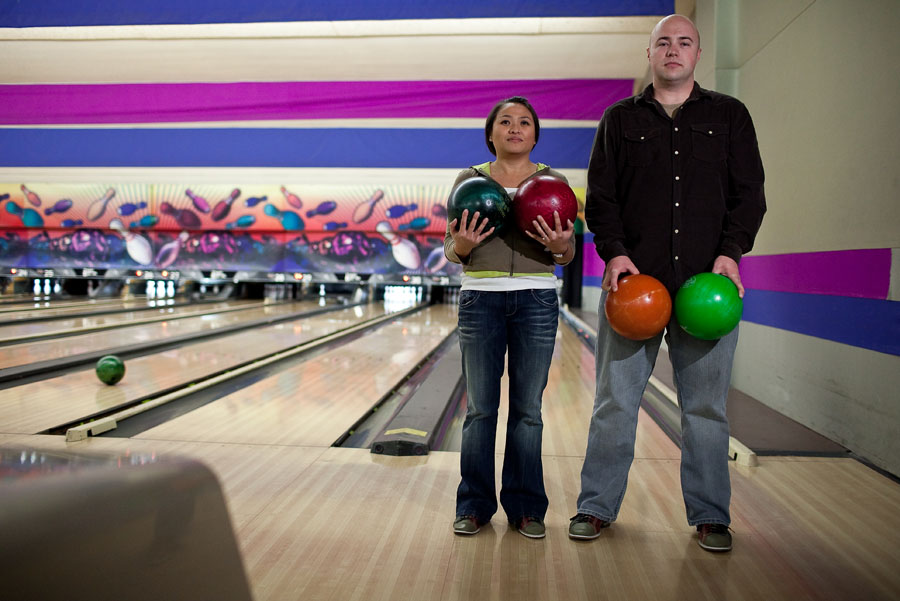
<point x="292" y="199"/>
<point x="151" y="289"/>
<point x="37" y="287"/>
<point x="170" y="289"/>
<point x="47" y="286"/>
<point x="419" y="223"/>
<point x="98" y="207"/>
<point x="223" y="207"/>
<point x="242" y="221"/>
<point x="61" y="206"/>
<point x="137" y="246"/>
<point x="71" y="222"/>
<point x="254" y="200"/>
<point x="199" y="202"/>
<point x="183" y="217"/>
<point x="129" y="207"/>
<point x="400" y="210"/>
<point x="364" y="210"/>
<point x="324" y="208"/>
<point x="31" y="196"/>
<point x="334" y="225"/>
<point x="289" y="220"/>
<point x="29" y="217"/>
<point x="169" y="251"/>
<point x="405" y="252"/>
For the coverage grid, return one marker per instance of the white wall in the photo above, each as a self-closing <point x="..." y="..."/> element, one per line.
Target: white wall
<point x="820" y="78"/>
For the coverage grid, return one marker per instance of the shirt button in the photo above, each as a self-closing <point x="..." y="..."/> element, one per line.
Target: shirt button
<point x="676" y="152"/>
<point x="642" y="137"/>
<point x="710" y="132"/>
<point x="676" y="129"/>
<point x="676" y="257"/>
<point x="676" y="204"/>
<point x="677" y="178"/>
<point x="676" y="231"/>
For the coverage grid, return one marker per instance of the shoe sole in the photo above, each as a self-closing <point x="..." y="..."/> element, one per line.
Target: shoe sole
<point x="466" y="532"/>
<point x="713" y="549"/>
<point x="541" y="535"/>
<point x="584" y="536"/>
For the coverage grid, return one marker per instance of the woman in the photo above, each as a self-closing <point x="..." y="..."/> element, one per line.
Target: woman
<point x="507" y="302"/>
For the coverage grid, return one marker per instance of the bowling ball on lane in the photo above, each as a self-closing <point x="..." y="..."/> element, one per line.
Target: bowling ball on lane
<point x="110" y="369"/>
<point x="542" y="195"/>
<point x="708" y="306"/>
<point x="483" y="195"/>
<point x="640" y="308"/>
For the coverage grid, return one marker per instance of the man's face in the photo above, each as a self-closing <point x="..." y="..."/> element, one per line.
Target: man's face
<point x="674" y="50"/>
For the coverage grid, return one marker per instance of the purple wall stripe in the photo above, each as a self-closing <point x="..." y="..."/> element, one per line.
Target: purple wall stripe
<point x="855" y="273"/>
<point x="578" y="99"/>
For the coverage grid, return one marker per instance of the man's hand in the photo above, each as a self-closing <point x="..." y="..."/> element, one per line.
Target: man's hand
<point x="616" y="267"/>
<point x="727" y="267"/>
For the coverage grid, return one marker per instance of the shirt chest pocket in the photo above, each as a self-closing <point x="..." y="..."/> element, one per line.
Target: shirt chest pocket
<point x="641" y="146"/>
<point x="709" y="141"/>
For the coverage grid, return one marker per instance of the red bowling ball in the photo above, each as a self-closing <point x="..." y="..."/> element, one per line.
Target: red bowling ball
<point x="640" y="308"/>
<point x="541" y="195"/>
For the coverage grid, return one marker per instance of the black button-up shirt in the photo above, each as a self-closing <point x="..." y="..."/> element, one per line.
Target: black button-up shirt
<point x="674" y="193"/>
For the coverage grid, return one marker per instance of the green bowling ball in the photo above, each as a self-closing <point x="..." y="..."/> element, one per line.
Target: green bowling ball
<point x="110" y="369"/>
<point x="483" y="195"/>
<point x="707" y="306"/>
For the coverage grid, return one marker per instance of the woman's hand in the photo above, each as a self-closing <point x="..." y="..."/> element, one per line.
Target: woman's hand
<point x="468" y="234"/>
<point x="555" y="238"/>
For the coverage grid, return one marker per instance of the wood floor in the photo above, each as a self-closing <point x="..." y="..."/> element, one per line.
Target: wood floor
<point x="317" y="522"/>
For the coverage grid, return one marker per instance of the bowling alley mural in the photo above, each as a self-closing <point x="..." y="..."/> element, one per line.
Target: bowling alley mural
<point x="280" y="228"/>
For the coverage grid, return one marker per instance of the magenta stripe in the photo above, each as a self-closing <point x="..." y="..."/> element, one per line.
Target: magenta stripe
<point x="858" y="273"/>
<point x="152" y="103"/>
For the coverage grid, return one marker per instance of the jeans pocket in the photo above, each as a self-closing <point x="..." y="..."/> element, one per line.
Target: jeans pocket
<point x="545" y="296"/>
<point x="467" y="298"/>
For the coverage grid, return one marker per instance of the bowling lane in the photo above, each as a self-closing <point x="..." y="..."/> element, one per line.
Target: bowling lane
<point x="314" y="402"/>
<point x="32" y="352"/>
<point x="40" y="306"/>
<point x="10" y="332"/>
<point x="38" y="406"/>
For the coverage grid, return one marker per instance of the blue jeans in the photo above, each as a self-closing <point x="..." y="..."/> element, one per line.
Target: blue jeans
<point x="524" y="323"/>
<point x="702" y="377"/>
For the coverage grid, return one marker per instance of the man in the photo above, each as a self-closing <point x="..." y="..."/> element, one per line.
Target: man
<point x="675" y="188"/>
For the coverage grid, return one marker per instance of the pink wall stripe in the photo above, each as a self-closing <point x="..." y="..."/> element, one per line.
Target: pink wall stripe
<point x="857" y="273"/>
<point x="153" y="103"/>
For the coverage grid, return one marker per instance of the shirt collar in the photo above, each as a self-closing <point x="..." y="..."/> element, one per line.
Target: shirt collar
<point x="647" y="95"/>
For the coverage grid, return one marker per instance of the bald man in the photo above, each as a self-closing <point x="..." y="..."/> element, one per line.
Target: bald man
<point x="675" y="188"/>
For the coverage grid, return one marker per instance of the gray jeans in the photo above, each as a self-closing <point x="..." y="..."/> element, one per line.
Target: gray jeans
<point x="702" y="377"/>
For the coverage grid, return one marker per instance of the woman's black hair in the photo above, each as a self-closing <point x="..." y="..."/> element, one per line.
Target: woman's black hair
<point x="489" y="124"/>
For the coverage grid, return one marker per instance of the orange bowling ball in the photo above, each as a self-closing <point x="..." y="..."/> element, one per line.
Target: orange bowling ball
<point x="640" y="308"/>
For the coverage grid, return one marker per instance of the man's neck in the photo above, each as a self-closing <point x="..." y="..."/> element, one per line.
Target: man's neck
<point x="668" y="93"/>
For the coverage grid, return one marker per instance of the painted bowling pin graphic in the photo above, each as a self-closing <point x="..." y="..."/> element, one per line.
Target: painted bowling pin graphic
<point x="183" y="217"/>
<point x="130" y="207"/>
<point x="30" y="196"/>
<point x="332" y="226"/>
<point x="292" y="199"/>
<point x="400" y="210"/>
<point x="364" y="209"/>
<point x="169" y="251"/>
<point x="29" y="217"/>
<point x="199" y="202"/>
<point x="223" y="207"/>
<point x="71" y="222"/>
<point x="60" y="206"/>
<point x="419" y="223"/>
<point x="98" y="207"/>
<point x="405" y="252"/>
<point x="324" y="208"/>
<point x="242" y="221"/>
<point x="137" y="246"/>
<point x="145" y="222"/>
<point x="254" y="200"/>
<point x="290" y="221"/>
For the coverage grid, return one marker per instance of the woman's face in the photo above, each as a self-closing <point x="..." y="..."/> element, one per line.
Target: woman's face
<point x="513" y="131"/>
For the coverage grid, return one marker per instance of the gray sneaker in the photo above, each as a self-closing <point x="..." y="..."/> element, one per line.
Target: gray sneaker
<point x="531" y="527"/>
<point x="586" y="527"/>
<point x="714" y="537"/>
<point x="466" y="524"/>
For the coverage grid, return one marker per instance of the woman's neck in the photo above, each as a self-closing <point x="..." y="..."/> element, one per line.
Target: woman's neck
<point x="509" y="171"/>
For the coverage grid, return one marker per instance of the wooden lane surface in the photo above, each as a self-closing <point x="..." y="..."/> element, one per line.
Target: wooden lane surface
<point x="25" y="353"/>
<point x="37" y="406"/>
<point x="40" y="306"/>
<point x="72" y="325"/>
<point x="314" y="402"/>
<point x="330" y="523"/>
